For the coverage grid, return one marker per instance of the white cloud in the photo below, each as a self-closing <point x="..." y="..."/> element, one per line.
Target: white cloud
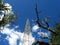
<point x="16" y="26"/>
<point x="35" y="27"/>
<point x="44" y="34"/>
<point x="13" y="36"/>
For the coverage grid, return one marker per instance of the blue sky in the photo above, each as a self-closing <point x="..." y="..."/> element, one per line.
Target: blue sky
<point x="25" y="10"/>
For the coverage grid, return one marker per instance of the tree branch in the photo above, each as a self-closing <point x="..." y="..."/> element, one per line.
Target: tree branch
<point x="42" y="26"/>
<point x="41" y="43"/>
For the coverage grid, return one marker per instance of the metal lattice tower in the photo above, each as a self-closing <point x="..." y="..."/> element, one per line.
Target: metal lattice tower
<point x="26" y="33"/>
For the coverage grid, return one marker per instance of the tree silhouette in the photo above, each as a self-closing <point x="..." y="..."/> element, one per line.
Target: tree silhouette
<point x="55" y="35"/>
<point x="5" y="16"/>
<point x="55" y="40"/>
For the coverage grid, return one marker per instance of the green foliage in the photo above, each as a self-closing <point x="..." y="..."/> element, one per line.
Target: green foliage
<point x="55" y="39"/>
<point x="0" y="1"/>
<point x="7" y="19"/>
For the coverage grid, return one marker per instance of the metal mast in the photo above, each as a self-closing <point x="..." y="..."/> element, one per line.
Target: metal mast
<point x="26" y="33"/>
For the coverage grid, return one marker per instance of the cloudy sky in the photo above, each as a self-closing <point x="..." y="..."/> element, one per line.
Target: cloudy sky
<point x="13" y="34"/>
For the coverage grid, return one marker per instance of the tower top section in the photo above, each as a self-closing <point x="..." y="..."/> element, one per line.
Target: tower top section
<point x="27" y="27"/>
